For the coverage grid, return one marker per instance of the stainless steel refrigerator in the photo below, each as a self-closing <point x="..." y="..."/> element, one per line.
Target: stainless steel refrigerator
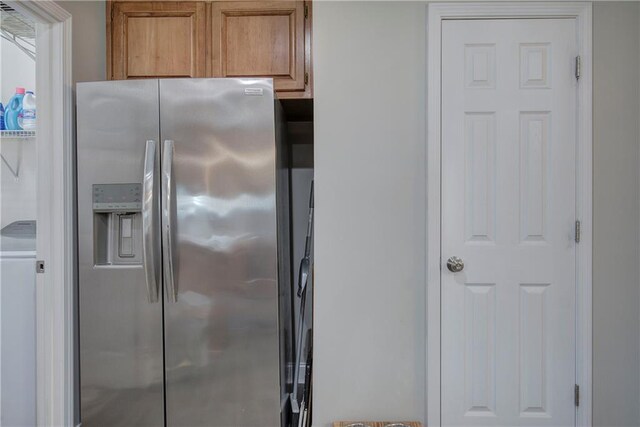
<point x="184" y="278"/>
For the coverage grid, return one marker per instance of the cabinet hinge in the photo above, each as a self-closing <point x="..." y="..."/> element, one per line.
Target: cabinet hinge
<point x="577" y="231"/>
<point x="306" y="11"/>
<point x="306" y="78"/>
<point x="578" y="67"/>
<point x="577" y="395"/>
<point x="39" y="266"/>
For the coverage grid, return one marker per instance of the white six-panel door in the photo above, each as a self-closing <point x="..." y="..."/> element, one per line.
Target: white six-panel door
<point x="509" y="211"/>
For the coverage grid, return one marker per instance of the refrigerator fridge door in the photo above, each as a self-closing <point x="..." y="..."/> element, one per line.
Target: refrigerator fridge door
<point x="120" y="315"/>
<point x="220" y="252"/>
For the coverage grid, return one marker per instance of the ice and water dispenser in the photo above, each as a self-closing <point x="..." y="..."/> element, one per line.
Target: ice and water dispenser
<point x="117" y="223"/>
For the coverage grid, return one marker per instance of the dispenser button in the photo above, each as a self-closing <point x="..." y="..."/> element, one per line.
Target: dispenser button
<point x="125" y="249"/>
<point x="125" y="227"/>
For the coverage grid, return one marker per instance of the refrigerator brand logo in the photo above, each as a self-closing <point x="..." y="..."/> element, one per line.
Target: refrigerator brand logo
<point x="253" y="91"/>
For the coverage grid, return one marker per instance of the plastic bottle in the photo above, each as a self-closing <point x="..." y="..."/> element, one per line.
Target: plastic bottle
<point x="13" y="110"/>
<point x="27" y="120"/>
<point x="1" y="117"/>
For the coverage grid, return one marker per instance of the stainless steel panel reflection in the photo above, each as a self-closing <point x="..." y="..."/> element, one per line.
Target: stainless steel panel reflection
<point x="121" y="370"/>
<point x="221" y="336"/>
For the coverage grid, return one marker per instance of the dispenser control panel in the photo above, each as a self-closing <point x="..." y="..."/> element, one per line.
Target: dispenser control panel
<point x="117" y="197"/>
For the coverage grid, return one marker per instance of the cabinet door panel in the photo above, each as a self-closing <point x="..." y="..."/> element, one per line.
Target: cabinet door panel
<point x="158" y="39"/>
<point x="259" y="35"/>
<point x="260" y="39"/>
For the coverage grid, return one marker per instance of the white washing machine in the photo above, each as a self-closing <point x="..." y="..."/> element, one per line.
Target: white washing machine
<point x="18" y="324"/>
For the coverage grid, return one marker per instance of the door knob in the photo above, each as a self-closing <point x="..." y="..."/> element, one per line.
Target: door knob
<point x="455" y="264"/>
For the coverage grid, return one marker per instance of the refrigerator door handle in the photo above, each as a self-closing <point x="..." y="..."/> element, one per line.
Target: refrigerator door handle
<point x="168" y="224"/>
<point x="148" y="222"/>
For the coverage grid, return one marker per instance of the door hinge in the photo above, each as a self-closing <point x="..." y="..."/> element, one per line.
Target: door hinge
<point x="578" y="67"/>
<point x="306" y="78"/>
<point x="577" y="231"/>
<point x="577" y="395"/>
<point x="39" y="266"/>
<point x="306" y="11"/>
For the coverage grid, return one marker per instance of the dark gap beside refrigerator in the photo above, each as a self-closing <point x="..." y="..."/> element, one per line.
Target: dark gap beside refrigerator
<point x="299" y="117"/>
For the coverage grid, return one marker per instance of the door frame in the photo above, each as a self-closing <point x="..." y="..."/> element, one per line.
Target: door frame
<point x="582" y="13"/>
<point x="55" y="374"/>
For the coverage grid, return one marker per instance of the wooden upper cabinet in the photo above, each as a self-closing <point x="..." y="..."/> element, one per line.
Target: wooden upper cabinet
<point x="262" y="39"/>
<point x="242" y="38"/>
<point x="157" y="39"/>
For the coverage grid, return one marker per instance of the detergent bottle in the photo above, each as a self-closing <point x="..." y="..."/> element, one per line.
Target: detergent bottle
<point x="28" y="121"/>
<point x="13" y="110"/>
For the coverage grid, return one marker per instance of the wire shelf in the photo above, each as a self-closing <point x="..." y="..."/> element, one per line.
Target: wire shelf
<point x="16" y="24"/>
<point x="14" y="135"/>
<point x="18" y="30"/>
<point x="17" y="134"/>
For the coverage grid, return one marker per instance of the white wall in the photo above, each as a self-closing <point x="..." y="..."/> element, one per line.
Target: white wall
<point x="369" y="73"/>
<point x="616" y="291"/>
<point x="17" y="69"/>
<point x="17" y="197"/>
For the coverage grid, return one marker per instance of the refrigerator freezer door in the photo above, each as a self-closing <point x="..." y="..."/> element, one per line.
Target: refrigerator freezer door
<point x="221" y="335"/>
<point x="121" y="359"/>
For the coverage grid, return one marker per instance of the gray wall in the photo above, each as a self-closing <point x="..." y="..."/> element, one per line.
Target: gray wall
<point x="616" y="296"/>
<point x="369" y="71"/>
<point x="89" y="39"/>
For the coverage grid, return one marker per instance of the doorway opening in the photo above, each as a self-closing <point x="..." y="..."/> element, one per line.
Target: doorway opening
<point x="37" y="188"/>
<point x="18" y="203"/>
